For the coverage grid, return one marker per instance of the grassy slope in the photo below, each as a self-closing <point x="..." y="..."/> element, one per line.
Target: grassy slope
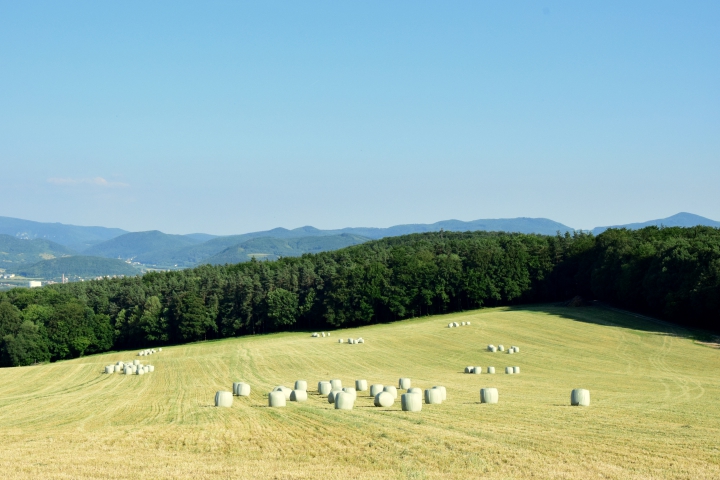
<point x="15" y="251"/>
<point x="654" y="410"/>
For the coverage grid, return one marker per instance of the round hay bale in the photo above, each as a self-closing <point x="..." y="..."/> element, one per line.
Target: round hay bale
<point x="344" y="401"/>
<point x="118" y="368"/>
<point x="450" y="325"/>
<point x="146" y="368"/>
<point x="276" y="399"/>
<point x="328" y="334"/>
<point x="411" y="402"/>
<point x="323" y="335"/>
<point x="391" y="390"/>
<point x="350" y="391"/>
<point x="433" y="396"/>
<point x="141" y="354"/>
<point x="491" y="348"/>
<point x="462" y="324"/>
<point x="509" y="370"/>
<point x="122" y="364"/>
<point x="301" y="385"/>
<point x="580" y="397"/>
<point x="223" y="399"/>
<point x="110" y="369"/>
<point x="469" y="369"/>
<point x="159" y="349"/>
<point x="384" y="399"/>
<point x="298" y="395"/>
<point x="243" y="390"/>
<point x="286" y="391"/>
<point x="360" y="340"/>
<point x="443" y="392"/>
<point x="510" y="351"/>
<point x="491" y="370"/>
<point x="455" y="324"/>
<point x="332" y="395"/>
<point x="140" y="371"/>
<point x="340" y="340"/>
<point x="324" y="387"/>
<point x="415" y="390"/>
<point x="235" y="385"/>
<point x="467" y="323"/>
<point x="488" y="395"/>
<point x="351" y="341"/>
<point x="501" y="348"/>
<point x="151" y="368"/>
<point x="336" y="384"/>
<point x="516" y="370"/>
<point x="314" y="335"/>
<point x="404" y="383"/>
<point x="136" y="362"/>
<point x="361" y="385"/>
<point x="376" y="388"/>
<point x="477" y="370"/>
<point x="127" y="370"/>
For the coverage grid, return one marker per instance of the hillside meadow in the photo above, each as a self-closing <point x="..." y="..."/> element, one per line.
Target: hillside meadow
<point x="654" y="414"/>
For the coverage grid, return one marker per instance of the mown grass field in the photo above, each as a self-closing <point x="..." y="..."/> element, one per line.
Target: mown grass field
<point x="655" y="409"/>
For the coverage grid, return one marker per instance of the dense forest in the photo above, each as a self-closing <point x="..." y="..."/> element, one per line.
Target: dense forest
<point x="673" y="273"/>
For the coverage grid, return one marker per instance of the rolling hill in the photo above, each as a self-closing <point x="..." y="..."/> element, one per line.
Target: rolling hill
<point x="78" y="266"/>
<point x="72" y="236"/>
<point x="15" y="251"/>
<point x="143" y="247"/>
<point x="681" y="219"/>
<point x="268" y="248"/>
<point x="653" y="412"/>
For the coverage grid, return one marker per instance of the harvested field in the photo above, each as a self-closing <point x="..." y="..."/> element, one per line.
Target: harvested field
<point x="654" y="413"/>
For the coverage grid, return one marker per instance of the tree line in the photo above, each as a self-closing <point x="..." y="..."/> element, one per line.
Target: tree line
<point x="673" y="273"/>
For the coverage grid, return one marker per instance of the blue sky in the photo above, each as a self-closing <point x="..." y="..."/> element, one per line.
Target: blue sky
<point x="229" y="117"/>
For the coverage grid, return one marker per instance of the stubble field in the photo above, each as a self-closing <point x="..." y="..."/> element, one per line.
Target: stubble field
<point x="655" y="409"/>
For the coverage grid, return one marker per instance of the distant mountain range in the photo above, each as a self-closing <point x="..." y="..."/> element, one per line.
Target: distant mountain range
<point x="24" y="243"/>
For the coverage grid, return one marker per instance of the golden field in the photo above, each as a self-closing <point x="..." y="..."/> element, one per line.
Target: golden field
<point x="655" y="409"/>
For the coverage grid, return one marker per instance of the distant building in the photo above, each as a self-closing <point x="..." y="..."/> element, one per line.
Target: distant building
<point x="34" y="283"/>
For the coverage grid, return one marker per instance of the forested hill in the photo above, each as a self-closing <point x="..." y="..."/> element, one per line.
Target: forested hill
<point x="673" y="273"/>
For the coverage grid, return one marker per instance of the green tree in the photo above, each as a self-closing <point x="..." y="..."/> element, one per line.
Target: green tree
<point x="282" y="308"/>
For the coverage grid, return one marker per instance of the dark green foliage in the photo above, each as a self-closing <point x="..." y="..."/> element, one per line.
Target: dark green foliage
<point x="80" y="266"/>
<point x="673" y="273"/>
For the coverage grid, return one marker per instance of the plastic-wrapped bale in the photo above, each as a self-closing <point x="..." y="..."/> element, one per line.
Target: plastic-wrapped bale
<point x="509" y="370"/>
<point x="350" y="391"/>
<point x="340" y="340"/>
<point x="136" y="362"/>
<point x="391" y="390"/>
<point x="243" y="390"/>
<point x="141" y="354"/>
<point x="351" y="341"/>
<point x="336" y="384"/>
<point x="433" y="396"/>
<point x="223" y="399"/>
<point x="491" y="370"/>
<point x="411" y="402"/>
<point x="146" y="368"/>
<point x="314" y="335"/>
<point x="450" y="325"/>
<point x="332" y="395"/>
<point x="415" y="390"/>
<point x="276" y="399"/>
<point x="580" y="397"/>
<point x="376" y="388"/>
<point x="462" y="324"/>
<point x="384" y="399"/>
<point x="456" y="324"/>
<point x="477" y="370"/>
<point x="324" y="387"/>
<point x="128" y="370"/>
<point x="360" y="340"/>
<point x="298" y="395"/>
<point x="140" y="371"/>
<point x="121" y="363"/>
<point x="517" y="350"/>
<point x="510" y="351"/>
<point x="301" y="385"/>
<point x="151" y="368"/>
<point x="501" y="348"/>
<point x="235" y="385"/>
<point x="443" y="392"/>
<point x="110" y="369"/>
<point x="118" y="368"/>
<point x="361" y="385"/>
<point x="323" y="334"/>
<point x="159" y="349"/>
<point x="286" y="391"/>
<point x="488" y="395"/>
<point x="469" y="369"/>
<point x="516" y="370"/>
<point x="344" y="401"/>
<point x="491" y="348"/>
<point x="328" y="334"/>
<point x="467" y="323"/>
<point x="404" y="383"/>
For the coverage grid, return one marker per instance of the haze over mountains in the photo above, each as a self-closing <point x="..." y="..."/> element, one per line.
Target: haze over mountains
<point x="25" y="243"/>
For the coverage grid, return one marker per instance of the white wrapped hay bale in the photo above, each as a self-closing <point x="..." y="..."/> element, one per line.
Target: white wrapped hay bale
<point x="146" y="368"/>
<point x="580" y="397"/>
<point x="450" y="325"/>
<point x="376" y="388"/>
<point x="286" y="391"/>
<point x="384" y="399"/>
<point x="276" y="399"/>
<point x="235" y="385"/>
<point x="336" y="384"/>
<point x="433" y="396"/>
<point x="516" y="370"/>
<point x="324" y="387"/>
<point x="118" y="368"/>
<point x="223" y="399"/>
<point x="517" y="350"/>
<point x="351" y="341"/>
<point x="509" y="370"/>
<point x="340" y="340"/>
<point x="323" y="334"/>
<point x="301" y="385"/>
<point x="136" y="362"/>
<point x="488" y="395"/>
<point x="469" y="369"/>
<point x="140" y="371"/>
<point x="404" y="383"/>
<point x="243" y="390"/>
<point x="462" y="324"/>
<point x="350" y="391"/>
<point x="127" y="370"/>
<point x="491" y="370"/>
<point x="314" y="335"/>
<point x="344" y="401"/>
<point x="415" y="390"/>
<point x="361" y="385"/>
<point x="510" y="351"/>
<point x="491" y="348"/>
<point x="328" y="334"/>
<point x="110" y="369"/>
<point x="456" y="324"/>
<point x="391" y="390"/>
<point x="467" y="323"/>
<point x="443" y="392"/>
<point x="151" y="368"/>
<point x="477" y="370"/>
<point x="501" y="348"/>
<point x="411" y="402"/>
<point x="360" y="340"/>
<point x="332" y="395"/>
<point x="298" y="395"/>
<point x="121" y="363"/>
<point x="159" y="349"/>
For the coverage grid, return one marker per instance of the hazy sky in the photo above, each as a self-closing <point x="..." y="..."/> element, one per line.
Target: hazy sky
<point x="229" y="117"/>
